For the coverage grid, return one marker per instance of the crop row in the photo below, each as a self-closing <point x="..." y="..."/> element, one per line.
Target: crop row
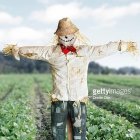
<point x="102" y="125"/>
<point x="6" y="84"/>
<point x="124" y="108"/>
<point x="129" y="81"/>
<point x="16" y="116"/>
<point x="115" y="82"/>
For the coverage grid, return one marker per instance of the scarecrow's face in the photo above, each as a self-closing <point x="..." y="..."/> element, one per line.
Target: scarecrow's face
<point x="67" y="40"/>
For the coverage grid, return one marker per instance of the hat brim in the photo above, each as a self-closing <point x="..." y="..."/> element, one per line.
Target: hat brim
<point x="66" y="31"/>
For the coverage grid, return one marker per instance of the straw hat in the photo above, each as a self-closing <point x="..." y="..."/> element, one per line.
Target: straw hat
<point x="65" y="27"/>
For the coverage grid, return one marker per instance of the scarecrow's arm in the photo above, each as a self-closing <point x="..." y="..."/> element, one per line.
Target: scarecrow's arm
<point x="97" y="52"/>
<point x="31" y="52"/>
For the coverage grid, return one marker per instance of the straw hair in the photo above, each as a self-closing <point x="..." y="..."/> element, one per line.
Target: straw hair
<point x="132" y="48"/>
<point x="7" y="50"/>
<point x="65" y="27"/>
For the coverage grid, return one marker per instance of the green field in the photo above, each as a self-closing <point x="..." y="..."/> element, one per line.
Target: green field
<point x="113" y="114"/>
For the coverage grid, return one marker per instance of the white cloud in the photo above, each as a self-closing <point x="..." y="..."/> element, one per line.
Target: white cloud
<point x="111" y="13"/>
<point x="6" y="18"/>
<point x="104" y="13"/>
<point x="55" y="12"/>
<point x="23" y="35"/>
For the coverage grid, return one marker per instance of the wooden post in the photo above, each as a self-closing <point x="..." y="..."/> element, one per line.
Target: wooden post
<point x="69" y="128"/>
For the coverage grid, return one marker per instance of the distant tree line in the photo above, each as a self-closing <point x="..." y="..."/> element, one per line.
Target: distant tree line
<point x="97" y="69"/>
<point x="9" y="65"/>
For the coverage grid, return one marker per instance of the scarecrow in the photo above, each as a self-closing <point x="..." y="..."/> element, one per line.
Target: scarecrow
<point x="69" y="56"/>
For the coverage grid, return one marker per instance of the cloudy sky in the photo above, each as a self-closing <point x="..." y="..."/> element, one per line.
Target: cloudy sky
<point x="33" y="22"/>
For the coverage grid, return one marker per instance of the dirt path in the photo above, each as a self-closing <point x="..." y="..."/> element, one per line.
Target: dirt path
<point x="42" y="115"/>
<point x="7" y="93"/>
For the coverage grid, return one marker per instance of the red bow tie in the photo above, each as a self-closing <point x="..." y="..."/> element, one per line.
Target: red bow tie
<point x="65" y="49"/>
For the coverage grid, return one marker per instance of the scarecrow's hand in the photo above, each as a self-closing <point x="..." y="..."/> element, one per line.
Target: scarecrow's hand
<point x="128" y="47"/>
<point x="10" y="49"/>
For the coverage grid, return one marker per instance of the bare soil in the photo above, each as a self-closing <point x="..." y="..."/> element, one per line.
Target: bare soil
<point x="42" y="115"/>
